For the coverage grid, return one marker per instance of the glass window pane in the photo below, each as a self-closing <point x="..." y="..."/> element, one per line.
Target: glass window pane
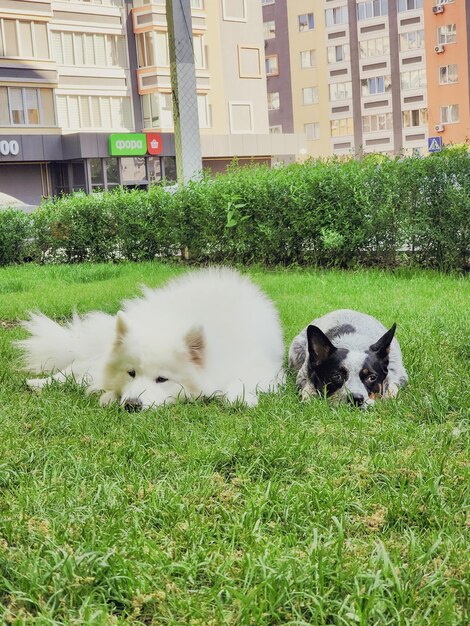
<point x="32" y="106"/>
<point x="47" y="105"/>
<point x="4" y="113"/>
<point x="16" y="106"/>
<point x="112" y="171"/>
<point x="96" y="173"/>
<point x="133" y="169"/>
<point x="11" y="42"/>
<point x="26" y="39"/>
<point x="67" y="42"/>
<point x="154" y="169"/>
<point x="41" y="42"/>
<point x="79" y="50"/>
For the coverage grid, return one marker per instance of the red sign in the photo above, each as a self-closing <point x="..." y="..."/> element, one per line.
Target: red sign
<point x="154" y="143"/>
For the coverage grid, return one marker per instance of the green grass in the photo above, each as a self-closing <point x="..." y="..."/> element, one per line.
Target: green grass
<point x="201" y="514"/>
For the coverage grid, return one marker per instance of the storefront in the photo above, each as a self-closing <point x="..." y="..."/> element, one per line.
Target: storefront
<point x="36" y="166"/>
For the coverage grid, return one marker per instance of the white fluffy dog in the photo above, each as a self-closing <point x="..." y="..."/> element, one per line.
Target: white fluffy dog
<point x="208" y="333"/>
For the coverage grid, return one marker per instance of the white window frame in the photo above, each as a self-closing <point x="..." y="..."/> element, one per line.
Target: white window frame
<point x="404" y="5"/>
<point x="312" y="55"/>
<point x="234" y="19"/>
<point x="406" y="37"/>
<point x="368" y="8"/>
<point x="269" y="32"/>
<point x="307" y="28"/>
<point x="314" y="127"/>
<point x="237" y="103"/>
<point x="274" y="93"/>
<point x="314" y="92"/>
<point x="272" y="56"/>
<point x="443" y="33"/>
<point x="336" y="16"/>
<point x="340" y="86"/>
<point x="446" y="74"/>
<point x="444" y="111"/>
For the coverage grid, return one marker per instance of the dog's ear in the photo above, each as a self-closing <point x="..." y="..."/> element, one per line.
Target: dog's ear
<point x="196" y="344"/>
<point x="121" y="327"/>
<point x="319" y="346"/>
<point x="382" y="346"/>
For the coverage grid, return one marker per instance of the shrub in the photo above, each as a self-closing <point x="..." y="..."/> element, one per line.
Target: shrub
<point x="15" y="234"/>
<point x="345" y="213"/>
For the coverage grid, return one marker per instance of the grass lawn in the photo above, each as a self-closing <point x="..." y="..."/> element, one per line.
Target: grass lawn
<point x="201" y="514"/>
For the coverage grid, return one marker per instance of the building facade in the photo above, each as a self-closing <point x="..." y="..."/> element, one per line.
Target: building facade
<point x="77" y="76"/>
<point x="372" y="75"/>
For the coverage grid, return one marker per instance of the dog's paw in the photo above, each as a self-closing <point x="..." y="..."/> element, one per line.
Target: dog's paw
<point x="392" y="391"/>
<point x="107" y="398"/>
<point x="36" y="384"/>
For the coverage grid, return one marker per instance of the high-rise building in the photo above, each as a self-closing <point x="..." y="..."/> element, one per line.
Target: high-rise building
<point x="79" y="78"/>
<point x="370" y="75"/>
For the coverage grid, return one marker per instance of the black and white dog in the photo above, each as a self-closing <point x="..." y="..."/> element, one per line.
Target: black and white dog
<point x="349" y="357"/>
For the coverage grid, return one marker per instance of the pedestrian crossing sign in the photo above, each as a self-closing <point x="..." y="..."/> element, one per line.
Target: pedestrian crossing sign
<point x="434" y="144"/>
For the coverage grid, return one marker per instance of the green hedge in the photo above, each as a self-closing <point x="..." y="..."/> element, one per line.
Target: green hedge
<point x="374" y="211"/>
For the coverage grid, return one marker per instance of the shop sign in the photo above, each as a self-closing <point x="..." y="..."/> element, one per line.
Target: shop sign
<point x="127" y="144"/>
<point x="9" y="147"/>
<point x="154" y="143"/>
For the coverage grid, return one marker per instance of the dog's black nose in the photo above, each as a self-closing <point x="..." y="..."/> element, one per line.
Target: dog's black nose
<point x="133" y="405"/>
<point x="357" y="399"/>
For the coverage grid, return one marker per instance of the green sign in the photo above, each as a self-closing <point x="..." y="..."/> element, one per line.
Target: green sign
<point x="127" y="144"/>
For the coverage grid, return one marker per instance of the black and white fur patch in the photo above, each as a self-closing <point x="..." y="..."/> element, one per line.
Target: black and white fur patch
<point x="347" y="356"/>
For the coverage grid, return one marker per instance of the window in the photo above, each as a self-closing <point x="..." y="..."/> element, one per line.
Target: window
<point x="338" y="53"/>
<point x="305" y="22"/>
<point x="448" y="74"/>
<point x="340" y="91"/>
<point x="447" y="33"/>
<point x="416" y="117"/>
<point x="96" y="174"/>
<point x="204" y="111"/>
<point x="166" y="110"/>
<point x="272" y="68"/>
<point x="410" y="5"/>
<point x="444" y="1"/>
<point x="371" y="8"/>
<point x="377" y="47"/>
<point x="312" y="131"/>
<point x="146" y="49"/>
<point x="275" y="130"/>
<point x="88" y="49"/>
<point x="341" y="127"/>
<point x="249" y="62"/>
<point x="450" y="114"/>
<point x="373" y="123"/>
<point x="77" y="112"/>
<point x="199" y="52"/>
<point x="310" y="95"/>
<point x="274" y="102"/>
<point x="234" y="10"/>
<point x="150" y="110"/>
<point x="22" y="106"/>
<point x="413" y="79"/>
<point x="197" y="4"/>
<point x="269" y="29"/>
<point x="375" y="85"/>
<point x="412" y="40"/>
<point x="339" y="15"/>
<point x="112" y="172"/>
<point x="264" y="2"/>
<point x="133" y="170"/>
<point x="24" y="39"/>
<point x="307" y="58"/>
<point x="241" y="117"/>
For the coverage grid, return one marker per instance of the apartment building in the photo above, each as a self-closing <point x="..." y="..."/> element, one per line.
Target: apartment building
<point x="371" y="75"/>
<point x="86" y="99"/>
<point x="447" y="43"/>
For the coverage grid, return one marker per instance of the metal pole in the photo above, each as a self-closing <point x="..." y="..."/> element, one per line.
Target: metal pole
<point x="183" y="83"/>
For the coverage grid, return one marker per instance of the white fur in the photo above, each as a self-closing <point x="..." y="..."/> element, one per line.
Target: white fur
<point x="210" y="332"/>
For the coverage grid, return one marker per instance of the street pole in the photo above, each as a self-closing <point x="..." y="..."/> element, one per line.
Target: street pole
<point x="183" y="84"/>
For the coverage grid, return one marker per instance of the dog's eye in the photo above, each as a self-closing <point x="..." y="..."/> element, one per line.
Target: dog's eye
<point x="131" y="373"/>
<point x="161" y="379"/>
<point x="371" y="378"/>
<point x="337" y="378"/>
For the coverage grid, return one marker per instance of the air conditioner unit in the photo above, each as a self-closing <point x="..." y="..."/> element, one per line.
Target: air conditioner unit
<point x="438" y="9"/>
<point x="439" y="128"/>
<point x="439" y="48"/>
